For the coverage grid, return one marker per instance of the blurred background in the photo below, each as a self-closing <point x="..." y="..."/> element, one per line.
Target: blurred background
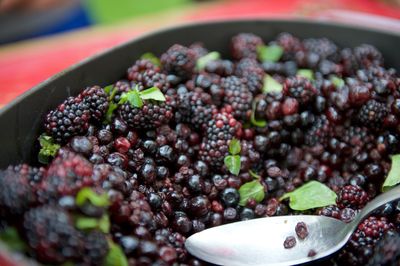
<point x="39" y="38"/>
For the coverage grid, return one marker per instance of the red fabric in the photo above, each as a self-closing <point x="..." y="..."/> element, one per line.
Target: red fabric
<point x="24" y="67"/>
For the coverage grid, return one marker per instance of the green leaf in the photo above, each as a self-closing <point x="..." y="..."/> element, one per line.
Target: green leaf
<point x="306" y="73"/>
<point x="251" y="190"/>
<point x="104" y="224"/>
<point x="48" y="148"/>
<point x="393" y="177"/>
<point x="152" y="93"/>
<point x="132" y="97"/>
<point x="232" y="162"/>
<point x="115" y="256"/>
<point x="110" y="111"/>
<point x="253" y="120"/>
<point x="108" y="89"/>
<point x="271" y="85"/>
<point x="87" y="194"/>
<point x="309" y="196"/>
<point x="90" y="223"/>
<point x="254" y="174"/>
<point x="152" y="58"/>
<point x="234" y="146"/>
<point x="12" y="239"/>
<point x="203" y="61"/>
<point x="338" y="82"/>
<point x="86" y="223"/>
<point x="270" y="53"/>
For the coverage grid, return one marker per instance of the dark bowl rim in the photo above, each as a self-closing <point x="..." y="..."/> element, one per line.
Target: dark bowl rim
<point x="155" y="32"/>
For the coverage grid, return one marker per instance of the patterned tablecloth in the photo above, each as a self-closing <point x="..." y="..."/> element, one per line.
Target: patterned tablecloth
<point x="25" y="64"/>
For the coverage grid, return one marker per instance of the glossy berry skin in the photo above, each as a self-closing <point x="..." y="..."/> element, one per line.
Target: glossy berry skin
<point x="245" y="45"/>
<point x="69" y="119"/>
<point x="352" y="196"/>
<point x="179" y="60"/>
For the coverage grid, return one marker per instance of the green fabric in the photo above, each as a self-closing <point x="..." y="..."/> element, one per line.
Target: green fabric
<point x="107" y="11"/>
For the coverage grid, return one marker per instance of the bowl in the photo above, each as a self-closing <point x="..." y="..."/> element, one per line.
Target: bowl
<point x="20" y="121"/>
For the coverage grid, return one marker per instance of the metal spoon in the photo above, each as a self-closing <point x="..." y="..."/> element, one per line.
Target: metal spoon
<point x="260" y="241"/>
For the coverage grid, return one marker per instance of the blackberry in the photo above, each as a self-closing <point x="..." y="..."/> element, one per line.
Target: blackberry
<point x="319" y="131"/>
<point x="352" y="197"/>
<point x="140" y="66"/>
<point x="367" y="55"/>
<point x="51" y="235"/>
<point x="252" y="72"/>
<point x="211" y="84"/>
<point x="97" y="101"/>
<point x="238" y="96"/>
<point x="16" y="194"/>
<point x="66" y="175"/>
<point x="33" y="175"/>
<point x="323" y="47"/>
<point x="290" y="44"/>
<point x="121" y="86"/>
<point x="360" y="247"/>
<point x="330" y="211"/>
<point x="245" y="45"/>
<point x="150" y="115"/>
<point x="299" y="88"/>
<point x="179" y="60"/>
<point x="372" y="114"/>
<point x="386" y="252"/>
<point x="96" y="248"/>
<point x="357" y="136"/>
<point x="151" y="78"/>
<point x="69" y="119"/>
<point x="219" y="132"/>
<point x="244" y="65"/>
<point x="195" y="108"/>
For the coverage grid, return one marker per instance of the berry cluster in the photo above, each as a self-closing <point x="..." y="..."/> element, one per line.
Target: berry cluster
<point x="171" y="145"/>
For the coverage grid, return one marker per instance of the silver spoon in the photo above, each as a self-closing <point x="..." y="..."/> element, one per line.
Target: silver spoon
<point x="260" y="241"/>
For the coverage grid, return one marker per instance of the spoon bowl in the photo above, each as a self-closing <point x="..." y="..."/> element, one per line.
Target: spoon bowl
<point x="265" y="236"/>
<point x="260" y="241"/>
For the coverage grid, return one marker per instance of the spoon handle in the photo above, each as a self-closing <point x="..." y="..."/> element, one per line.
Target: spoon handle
<point x="380" y="200"/>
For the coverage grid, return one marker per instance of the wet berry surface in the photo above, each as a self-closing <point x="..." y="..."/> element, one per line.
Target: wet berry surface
<point x="188" y="141"/>
<point x="289" y="242"/>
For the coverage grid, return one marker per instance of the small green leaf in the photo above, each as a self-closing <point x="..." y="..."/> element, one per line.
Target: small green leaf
<point x="251" y="190"/>
<point x="203" y="61"/>
<point x="48" y="148"/>
<point x="86" y="223"/>
<point x="232" y="162"/>
<point x="254" y="174"/>
<point x="338" y="82"/>
<point x="270" y="53"/>
<point x="234" y="146"/>
<point x="90" y="223"/>
<point x="253" y="120"/>
<point x="87" y="194"/>
<point x="12" y="239"/>
<point x="104" y="224"/>
<point x="152" y="58"/>
<point x="309" y="196"/>
<point x="306" y="73"/>
<point x="110" y="111"/>
<point x="271" y="85"/>
<point x="115" y="256"/>
<point x="132" y="97"/>
<point x="108" y="89"/>
<point x="393" y="177"/>
<point x="152" y="93"/>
